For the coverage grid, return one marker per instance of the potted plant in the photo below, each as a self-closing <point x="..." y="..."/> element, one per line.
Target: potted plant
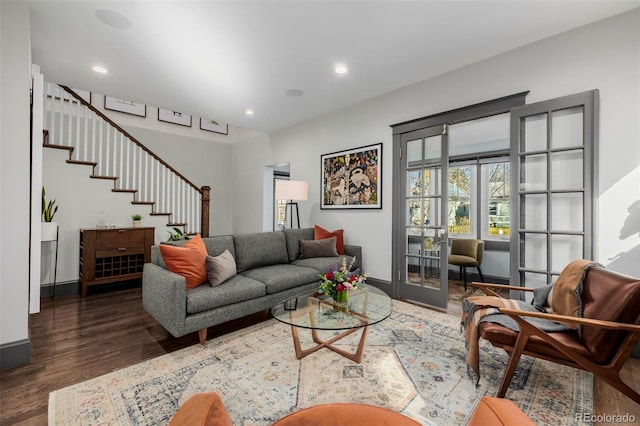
<point x="48" y="228"/>
<point x="178" y="235"/>
<point x="137" y="219"/>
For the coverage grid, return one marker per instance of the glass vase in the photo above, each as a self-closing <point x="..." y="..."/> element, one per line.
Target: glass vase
<point x="341" y="297"/>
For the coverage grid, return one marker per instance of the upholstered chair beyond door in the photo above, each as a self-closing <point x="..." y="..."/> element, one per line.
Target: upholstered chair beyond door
<point x="466" y="252"/>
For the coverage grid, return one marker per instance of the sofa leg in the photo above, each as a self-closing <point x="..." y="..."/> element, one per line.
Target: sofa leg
<point x="202" y="335"/>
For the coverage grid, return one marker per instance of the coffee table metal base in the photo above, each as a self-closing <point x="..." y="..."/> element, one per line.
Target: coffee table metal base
<point x="356" y="357"/>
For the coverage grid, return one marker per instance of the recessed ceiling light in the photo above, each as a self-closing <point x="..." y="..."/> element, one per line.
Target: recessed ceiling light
<point x="113" y="19"/>
<point x="100" y="70"/>
<point x="248" y="112"/>
<point x="341" y="69"/>
<point x="294" y="92"/>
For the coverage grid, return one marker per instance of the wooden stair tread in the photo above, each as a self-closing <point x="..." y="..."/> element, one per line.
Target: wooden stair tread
<point x="50" y="145"/>
<point x="86" y="163"/>
<point x="129" y="139"/>
<point x="104" y="177"/>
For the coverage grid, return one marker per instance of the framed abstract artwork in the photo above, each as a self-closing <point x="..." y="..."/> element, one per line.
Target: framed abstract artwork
<point x="174" y="117"/>
<point x="126" y="106"/>
<point x="352" y="179"/>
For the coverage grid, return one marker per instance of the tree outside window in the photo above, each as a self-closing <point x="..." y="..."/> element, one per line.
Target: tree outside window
<point x="459" y="207"/>
<point x="499" y="204"/>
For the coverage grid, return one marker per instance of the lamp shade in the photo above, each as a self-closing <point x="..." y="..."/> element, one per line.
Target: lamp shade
<point x="291" y="190"/>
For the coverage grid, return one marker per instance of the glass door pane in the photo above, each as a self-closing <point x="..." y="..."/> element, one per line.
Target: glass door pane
<point x="552" y="147"/>
<point x="424" y="275"/>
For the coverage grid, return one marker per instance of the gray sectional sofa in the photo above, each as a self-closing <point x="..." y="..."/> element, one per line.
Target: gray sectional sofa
<point x="269" y="271"/>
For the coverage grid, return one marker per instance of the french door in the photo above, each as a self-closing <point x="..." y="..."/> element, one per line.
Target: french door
<point x="422" y="231"/>
<point x="552" y="155"/>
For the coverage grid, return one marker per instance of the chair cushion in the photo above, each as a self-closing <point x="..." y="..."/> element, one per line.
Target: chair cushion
<point x="283" y="277"/>
<point x="319" y="233"/>
<point x="188" y="260"/>
<point x="323" y="264"/>
<point x="456" y="259"/>
<point x="500" y="336"/>
<point x="234" y="290"/>
<point x="220" y="268"/>
<point x="293" y="236"/>
<point x="465" y="247"/>
<point x="318" y="248"/>
<point x="218" y="244"/>
<point x="565" y="297"/>
<point x="202" y="409"/>
<point x="610" y="296"/>
<point x="260" y="249"/>
<point x="497" y="412"/>
<point x="345" y="415"/>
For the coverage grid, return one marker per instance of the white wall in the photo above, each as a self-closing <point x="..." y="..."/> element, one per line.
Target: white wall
<point x="248" y="161"/>
<point x="81" y="199"/>
<point x="15" y="72"/>
<point x="604" y="56"/>
<point x="203" y="162"/>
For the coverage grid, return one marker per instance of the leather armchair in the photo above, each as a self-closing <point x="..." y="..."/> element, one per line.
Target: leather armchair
<point x="610" y="329"/>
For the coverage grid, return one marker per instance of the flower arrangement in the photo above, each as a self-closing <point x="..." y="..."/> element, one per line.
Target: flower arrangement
<point x="338" y="282"/>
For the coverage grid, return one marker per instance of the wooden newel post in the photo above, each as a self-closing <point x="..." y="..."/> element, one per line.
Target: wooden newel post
<point x="204" y="222"/>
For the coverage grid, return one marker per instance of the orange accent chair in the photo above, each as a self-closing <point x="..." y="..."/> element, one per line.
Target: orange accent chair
<point x="202" y="409"/>
<point x="610" y="329"/>
<point x="343" y="414"/>
<point x="498" y="412"/>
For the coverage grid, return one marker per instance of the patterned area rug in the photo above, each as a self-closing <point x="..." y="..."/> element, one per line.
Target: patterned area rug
<point x="414" y="363"/>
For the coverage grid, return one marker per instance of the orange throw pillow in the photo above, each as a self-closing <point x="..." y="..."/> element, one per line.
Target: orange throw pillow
<point x="320" y="233"/>
<point x="188" y="260"/>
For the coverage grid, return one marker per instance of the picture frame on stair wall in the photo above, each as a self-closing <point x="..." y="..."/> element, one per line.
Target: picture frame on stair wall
<point x="214" y="126"/>
<point x="174" y="117"/>
<point x="125" y="106"/>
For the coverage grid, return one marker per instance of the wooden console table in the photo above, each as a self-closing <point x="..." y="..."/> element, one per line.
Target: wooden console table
<point x="113" y="254"/>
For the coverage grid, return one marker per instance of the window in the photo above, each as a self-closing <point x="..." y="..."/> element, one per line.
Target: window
<point x="479" y="183"/>
<point x="498" y="205"/>
<point x="479" y="203"/>
<point x="461" y="206"/>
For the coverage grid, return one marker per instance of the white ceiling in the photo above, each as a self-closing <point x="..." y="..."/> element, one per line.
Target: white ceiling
<point x="215" y="59"/>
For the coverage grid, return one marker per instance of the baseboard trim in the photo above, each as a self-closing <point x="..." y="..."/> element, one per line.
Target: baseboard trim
<point x="383" y="285"/>
<point x="61" y="289"/>
<point x="15" y="354"/>
<point x="476" y="277"/>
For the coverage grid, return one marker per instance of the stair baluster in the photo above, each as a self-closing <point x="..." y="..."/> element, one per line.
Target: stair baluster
<point x="93" y="139"/>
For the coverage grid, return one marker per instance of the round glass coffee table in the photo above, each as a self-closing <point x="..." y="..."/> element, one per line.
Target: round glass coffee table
<point x="366" y="306"/>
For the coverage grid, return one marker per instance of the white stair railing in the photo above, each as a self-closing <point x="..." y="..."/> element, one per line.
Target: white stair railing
<point x="92" y="138"/>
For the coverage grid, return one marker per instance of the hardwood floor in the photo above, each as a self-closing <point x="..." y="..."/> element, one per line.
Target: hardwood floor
<point x="74" y="339"/>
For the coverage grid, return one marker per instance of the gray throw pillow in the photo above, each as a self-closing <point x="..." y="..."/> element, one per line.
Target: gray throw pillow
<point x="220" y="268"/>
<point x="540" y="295"/>
<point x="318" y="248"/>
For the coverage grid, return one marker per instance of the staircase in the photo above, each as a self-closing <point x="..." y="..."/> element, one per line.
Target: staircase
<point x="92" y="139"/>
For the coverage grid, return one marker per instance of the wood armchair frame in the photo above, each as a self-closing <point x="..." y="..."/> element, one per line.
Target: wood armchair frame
<point x="610" y="372"/>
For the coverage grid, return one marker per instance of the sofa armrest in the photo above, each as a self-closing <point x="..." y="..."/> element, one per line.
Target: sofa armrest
<point x="356" y="251"/>
<point x="164" y="296"/>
